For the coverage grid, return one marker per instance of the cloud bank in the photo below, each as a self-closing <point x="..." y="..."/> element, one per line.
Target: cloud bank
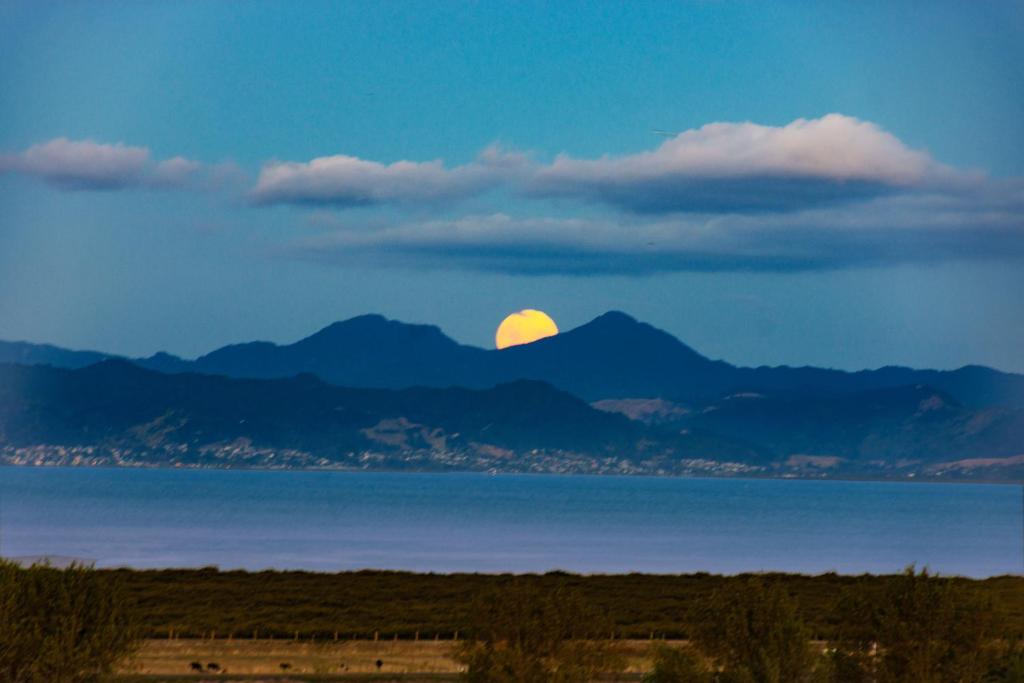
<point x="720" y="167"/>
<point x="884" y="231"/>
<point x="89" y="165"/>
<point x="827" y="193"/>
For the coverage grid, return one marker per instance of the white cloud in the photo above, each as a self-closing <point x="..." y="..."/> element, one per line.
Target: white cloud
<point x="833" y="192"/>
<point x="727" y="167"/>
<point x="175" y="171"/>
<point x="84" y="163"/>
<point x="342" y="180"/>
<point x="90" y="165"/>
<point x="720" y="167"/>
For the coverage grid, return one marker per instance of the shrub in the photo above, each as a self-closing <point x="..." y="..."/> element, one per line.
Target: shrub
<point x="925" y="628"/>
<point x="521" y="633"/>
<point x="676" y="665"/>
<point x="1009" y="668"/>
<point x="60" y="625"/>
<point x="753" y="633"/>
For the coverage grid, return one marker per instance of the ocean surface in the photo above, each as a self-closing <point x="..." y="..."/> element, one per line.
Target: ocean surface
<point x="517" y="523"/>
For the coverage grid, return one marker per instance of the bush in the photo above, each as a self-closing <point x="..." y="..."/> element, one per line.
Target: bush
<point x="925" y="628"/>
<point x="676" y="665"/>
<point x="1009" y="668"/>
<point x="754" y="633"/>
<point x="521" y="633"/>
<point x="60" y="625"/>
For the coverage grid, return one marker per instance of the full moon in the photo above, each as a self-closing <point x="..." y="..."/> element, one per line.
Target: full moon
<point x="524" y="327"/>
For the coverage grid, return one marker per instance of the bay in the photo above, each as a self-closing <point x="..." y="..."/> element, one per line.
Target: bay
<point x="330" y="521"/>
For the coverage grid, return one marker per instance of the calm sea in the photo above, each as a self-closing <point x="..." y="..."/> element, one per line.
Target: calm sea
<point x="476" y="522"/>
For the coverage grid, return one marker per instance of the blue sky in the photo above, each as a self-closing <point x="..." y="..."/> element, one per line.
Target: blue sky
<point x="183" y="175"/>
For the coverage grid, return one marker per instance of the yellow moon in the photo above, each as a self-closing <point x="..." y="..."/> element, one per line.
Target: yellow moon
<point x="524" y="327"/>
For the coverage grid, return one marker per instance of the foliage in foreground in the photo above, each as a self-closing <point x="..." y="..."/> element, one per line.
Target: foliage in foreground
<point x="521" y="633"/>
<point x="1008" y="668"/>
<point x="673" y="664"/>
<point x="69" y="626"/>
<point x="924" y="629"/>
<point x="754" y="633"/>
<point x="61" y="625"/>
<point x="196" y="603"/>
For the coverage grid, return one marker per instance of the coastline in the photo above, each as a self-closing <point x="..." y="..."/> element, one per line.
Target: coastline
<point x="493" y="473"/>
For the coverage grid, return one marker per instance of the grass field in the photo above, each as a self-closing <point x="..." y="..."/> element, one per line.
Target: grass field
<point x="169" y="660"/>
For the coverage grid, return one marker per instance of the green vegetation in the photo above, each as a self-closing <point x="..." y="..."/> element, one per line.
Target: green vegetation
<point x="1008" y="668"/>
<point x="520" y="632"/>
<point x="923" y="629"/>
<point x="752" y="631"/>
<point x="61" y="625"/>
<point x="203" y="602"/>
<point x="71" y="626"/>
<point x="919" y="628"/>
<point x="673" y="664"/>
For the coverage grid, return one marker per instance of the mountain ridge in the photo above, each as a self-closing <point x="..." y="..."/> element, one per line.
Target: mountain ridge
<point x="613" y="356"/>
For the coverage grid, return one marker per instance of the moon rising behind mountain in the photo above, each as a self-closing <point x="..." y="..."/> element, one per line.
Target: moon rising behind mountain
<point x="524" y="327"/>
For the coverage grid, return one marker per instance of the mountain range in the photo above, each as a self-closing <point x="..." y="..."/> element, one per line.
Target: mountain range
<point x="614" y="395"/>
<point x="612" y="357"/>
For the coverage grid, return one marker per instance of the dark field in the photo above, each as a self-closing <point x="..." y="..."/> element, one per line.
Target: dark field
<point x="206" y="603"/>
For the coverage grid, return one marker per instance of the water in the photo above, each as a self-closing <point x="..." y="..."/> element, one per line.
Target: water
<point x="475" y="522"/>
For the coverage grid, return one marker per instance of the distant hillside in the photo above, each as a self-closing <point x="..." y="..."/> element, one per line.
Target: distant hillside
<point x="117" y="413"/>
<point x="611" y="357"/>
<point x="26" y="353"/>
<point x="115" y="410"/>
<point x="903" y="429"/>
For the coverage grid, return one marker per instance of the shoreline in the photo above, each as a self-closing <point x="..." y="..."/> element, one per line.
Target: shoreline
<point x="383" y="470"/>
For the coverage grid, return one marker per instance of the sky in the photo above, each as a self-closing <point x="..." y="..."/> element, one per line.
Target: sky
<point x="835" y="184"/>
